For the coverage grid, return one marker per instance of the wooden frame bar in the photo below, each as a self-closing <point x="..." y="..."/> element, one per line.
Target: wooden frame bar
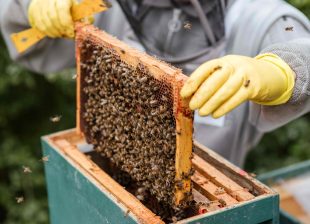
<point x="238" y="192"/>
<point x="209" y="189"/>
<point x="236" y="174"/>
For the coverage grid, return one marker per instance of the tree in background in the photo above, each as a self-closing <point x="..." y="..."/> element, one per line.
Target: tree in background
<point x="29" y="100"/>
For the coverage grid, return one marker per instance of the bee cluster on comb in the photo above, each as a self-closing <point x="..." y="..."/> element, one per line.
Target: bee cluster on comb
<point x="134" y="118"/>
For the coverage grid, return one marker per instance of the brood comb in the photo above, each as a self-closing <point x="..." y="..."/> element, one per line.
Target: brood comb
<point x="129" y="108"/>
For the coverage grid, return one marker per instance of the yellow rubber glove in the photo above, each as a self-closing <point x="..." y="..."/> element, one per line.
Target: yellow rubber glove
<point x="52" y="17"/>
<point x="218" y="86"/>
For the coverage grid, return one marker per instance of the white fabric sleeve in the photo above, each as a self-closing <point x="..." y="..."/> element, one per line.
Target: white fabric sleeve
<point x="290" y="40"/>
<point x="50" y="55"/>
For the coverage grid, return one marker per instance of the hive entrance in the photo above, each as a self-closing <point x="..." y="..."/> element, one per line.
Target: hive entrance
<point x="130" y="110"/>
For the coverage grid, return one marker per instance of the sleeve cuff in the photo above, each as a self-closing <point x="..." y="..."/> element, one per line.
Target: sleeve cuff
<point x="295" y="55"/>
<point x="286" y="71"/>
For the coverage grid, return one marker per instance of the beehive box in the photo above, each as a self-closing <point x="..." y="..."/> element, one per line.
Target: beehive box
<point x="81" y="190"/>
<point x="292" y="184"/>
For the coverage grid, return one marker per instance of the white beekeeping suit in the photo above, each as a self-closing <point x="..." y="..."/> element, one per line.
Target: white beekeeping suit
<point x="244" y="27"/>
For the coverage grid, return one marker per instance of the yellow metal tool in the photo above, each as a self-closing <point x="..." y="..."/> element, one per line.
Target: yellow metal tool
<point x="27" y="38"/>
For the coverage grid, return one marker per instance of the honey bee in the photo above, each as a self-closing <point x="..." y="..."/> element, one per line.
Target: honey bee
<point x="179" y="184"/>
<point x="140" y="197"/>
<point x="26" y="169"/>
<point x="289" y="28"/>
<point x="219" y="191"/>
<point x="247" y="83"/>
<point x="252" y="174"/>
<point x="45" y="158"/>
<point x="55" y="118"/>
<point x="19" y="200"/>
<point x="187" y="25"/>
<point x="222" y="202"/>
<point x="174" y="219"/>
<point x="143" y="79"/>
<point x="126" y="213"/>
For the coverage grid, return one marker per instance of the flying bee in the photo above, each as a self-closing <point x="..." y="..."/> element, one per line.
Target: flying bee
<point x="26" y="169"/>
<point x="55" y="118"/>
<point x="187" y="25"/>
<point x="45" y="158"/>
<point x="19" y="199"/>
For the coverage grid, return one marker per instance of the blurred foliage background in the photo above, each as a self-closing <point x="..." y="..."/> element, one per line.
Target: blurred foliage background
<point x="29" y="100"/>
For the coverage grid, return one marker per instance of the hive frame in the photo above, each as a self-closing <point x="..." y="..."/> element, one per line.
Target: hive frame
<point x="160" y="71"/>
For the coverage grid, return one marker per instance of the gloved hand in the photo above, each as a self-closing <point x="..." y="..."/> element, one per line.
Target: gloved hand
<point x="52" y="17"/>
<point x="218" y="86"/>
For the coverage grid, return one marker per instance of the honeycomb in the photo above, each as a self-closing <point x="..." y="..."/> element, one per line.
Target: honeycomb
<point x="129" y="117"/>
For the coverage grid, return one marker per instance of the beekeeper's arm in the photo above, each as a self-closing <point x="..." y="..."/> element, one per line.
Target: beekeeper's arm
<point x="53" y="18"/>
<point x="276" y="82"/>
<point x="49" y="55"/>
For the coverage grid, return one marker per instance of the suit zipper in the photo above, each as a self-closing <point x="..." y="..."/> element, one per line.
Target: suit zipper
<point x="174" y="25"/>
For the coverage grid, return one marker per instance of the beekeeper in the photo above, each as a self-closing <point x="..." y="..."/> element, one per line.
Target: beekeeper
<point x="250" y="58"/>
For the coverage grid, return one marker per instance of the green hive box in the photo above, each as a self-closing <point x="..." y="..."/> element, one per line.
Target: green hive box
<point x="292" y="211"/>
<point x="80" y="192"/>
